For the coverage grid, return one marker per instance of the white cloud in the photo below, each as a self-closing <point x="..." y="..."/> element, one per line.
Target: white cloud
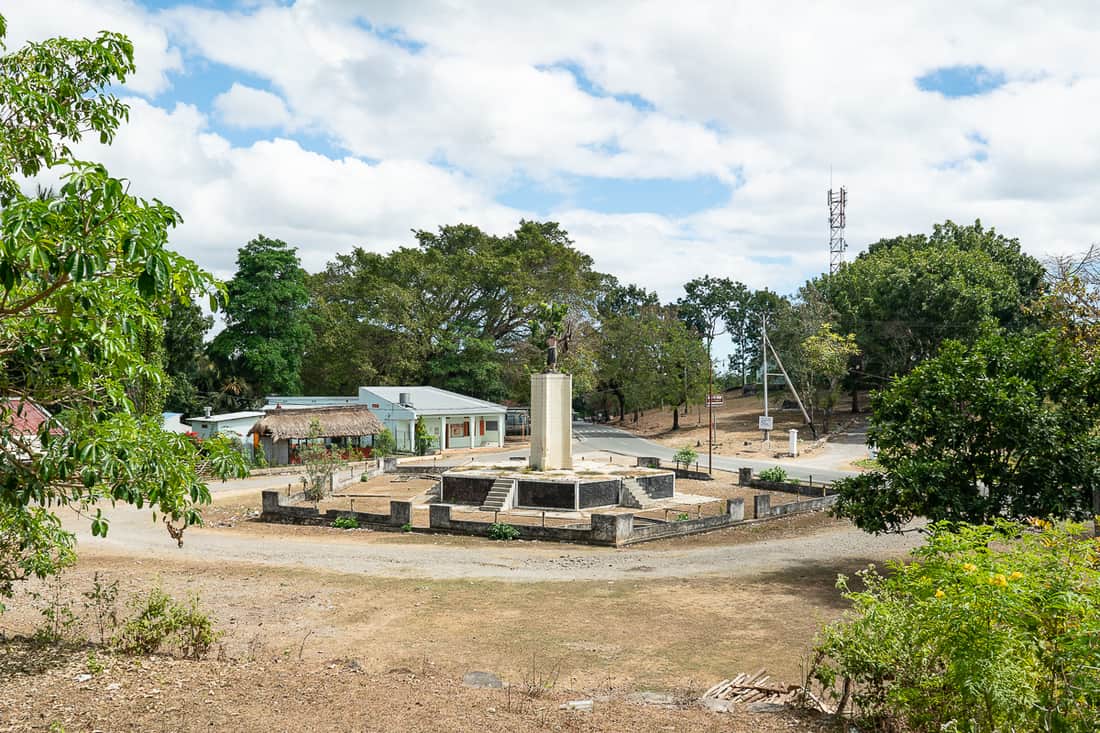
<point x="154" y="57"/>
<point x="768" y="98"/>
<point x="247" y="107"/>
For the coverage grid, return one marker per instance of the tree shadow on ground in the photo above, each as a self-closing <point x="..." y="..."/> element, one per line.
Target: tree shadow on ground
<point x="816" y="580"/>
<point x="20" y="655"/>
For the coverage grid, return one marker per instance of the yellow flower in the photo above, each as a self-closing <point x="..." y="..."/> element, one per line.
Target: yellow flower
<point x="998" y="579"/>
<point x="1015" y="575"/>
<point x="940" y="593"/>
<point x="969" y="567"/>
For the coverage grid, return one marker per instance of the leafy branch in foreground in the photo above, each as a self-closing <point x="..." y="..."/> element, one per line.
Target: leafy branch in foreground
<point x="989" y="628"/>
<point x="86" y="278"/>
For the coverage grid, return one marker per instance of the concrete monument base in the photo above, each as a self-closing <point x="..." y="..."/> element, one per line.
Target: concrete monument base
<point x="551" y="421"/>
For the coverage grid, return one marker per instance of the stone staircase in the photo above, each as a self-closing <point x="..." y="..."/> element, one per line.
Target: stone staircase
<point x="500" y="496"/>
<point x="634" y="495"/>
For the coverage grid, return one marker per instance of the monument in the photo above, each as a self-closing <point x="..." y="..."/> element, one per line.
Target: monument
<point x="551" y="416"/>
<point x="551" y="480"/>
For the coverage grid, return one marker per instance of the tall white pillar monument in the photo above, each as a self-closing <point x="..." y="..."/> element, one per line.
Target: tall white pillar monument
<point x="551" y="421"/>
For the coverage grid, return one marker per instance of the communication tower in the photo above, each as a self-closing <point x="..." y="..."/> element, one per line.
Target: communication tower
<point x="837" y="245"/>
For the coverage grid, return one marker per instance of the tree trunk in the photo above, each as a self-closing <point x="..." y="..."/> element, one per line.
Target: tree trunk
<point x="622" y="405"/>
<point x="676" y="417"/>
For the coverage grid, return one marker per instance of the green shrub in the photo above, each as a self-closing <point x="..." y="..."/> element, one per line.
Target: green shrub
<point x="686" y="456"/>
<point x="160" y="620"/>
<point x="384" y="444"/>
<point x="406" y="527"/>
<point x="682" y="517"/>
<point x="990" y="628"/>
<point x="345" y="523"/>
<point x="502" y="531"/>
<point x="775" y="473"/>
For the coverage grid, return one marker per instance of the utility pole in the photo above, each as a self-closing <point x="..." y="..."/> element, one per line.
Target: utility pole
<point x="764" y="353"/>
<point x="765" y="344"/>
<point x="710" y="416"/>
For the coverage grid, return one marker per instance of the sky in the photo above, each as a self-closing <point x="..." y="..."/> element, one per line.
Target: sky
<point x="672" y="140"/>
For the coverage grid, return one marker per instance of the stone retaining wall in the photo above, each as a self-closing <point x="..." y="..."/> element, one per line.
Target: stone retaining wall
<point x="614" y="530"/>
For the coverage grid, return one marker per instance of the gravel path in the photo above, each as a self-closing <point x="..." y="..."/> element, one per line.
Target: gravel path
<point x="133" y="534"/>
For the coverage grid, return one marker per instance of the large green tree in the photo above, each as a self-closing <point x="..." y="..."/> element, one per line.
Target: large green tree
<point x="84" y="276"/>
<point x="454" y="311"/>
<point x="267" y="327"/>
<point x="905" y="296"/>
<point x="1008" y="426"/>
<point x="647" y="357"/>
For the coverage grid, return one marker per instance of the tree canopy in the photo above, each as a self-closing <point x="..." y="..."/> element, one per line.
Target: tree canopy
<point x="267" y="327"/>
<point x="446" y="312"/>
<point x="905" y="296"/>
<point x="1004" y="427"/>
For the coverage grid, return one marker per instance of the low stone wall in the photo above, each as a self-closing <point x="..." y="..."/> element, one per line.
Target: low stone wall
<point x="439" y="519"/>
<point x="653" y="462"/>
<point x="745" y="478"/>
<point x="613" y="530"/>
<point x="277" y="509"/>
<point x="298" y="470"/>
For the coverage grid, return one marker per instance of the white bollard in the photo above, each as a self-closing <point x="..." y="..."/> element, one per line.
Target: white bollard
<point x="792" y="447"/>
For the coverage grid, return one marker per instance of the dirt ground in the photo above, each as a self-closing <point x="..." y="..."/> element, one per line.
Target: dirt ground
<point x="294" y="634"/>
<point x="736" y="423"/>
<point x="318" y="650"/>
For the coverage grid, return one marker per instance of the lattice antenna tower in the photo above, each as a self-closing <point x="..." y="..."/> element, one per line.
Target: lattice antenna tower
<point x="837" y="245"/>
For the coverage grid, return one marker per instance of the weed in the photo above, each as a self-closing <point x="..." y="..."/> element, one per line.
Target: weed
<point x="345" y="523"/>
<point x="59" y="620"/>
<point x="102" y="601"/>
<point x="406" y="527"/>
<point x="502" y="531"/>
<point x="93" y="664"/>
<point x="541" y="678"/>
<point x="682" y="517"/>
<point x="159" y="619"/>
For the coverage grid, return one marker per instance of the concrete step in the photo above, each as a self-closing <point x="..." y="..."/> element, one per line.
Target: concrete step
<point x="634" y="495"/>
<point x="500" y="495"/>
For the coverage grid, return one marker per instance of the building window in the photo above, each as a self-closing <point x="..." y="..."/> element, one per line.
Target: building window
<point x="459" y="429"/>
<point x="491" y="426"/>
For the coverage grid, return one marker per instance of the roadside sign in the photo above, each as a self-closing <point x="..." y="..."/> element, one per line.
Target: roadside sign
<point x="767" y="422"/>
<point x="715" y="400"/>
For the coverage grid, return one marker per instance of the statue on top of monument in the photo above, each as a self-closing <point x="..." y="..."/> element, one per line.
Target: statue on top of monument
<point x="550" y="327"/>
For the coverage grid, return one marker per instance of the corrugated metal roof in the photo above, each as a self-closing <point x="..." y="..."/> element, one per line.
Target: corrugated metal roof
<point x="225" y="416"/>
<point x="435" y="401"/>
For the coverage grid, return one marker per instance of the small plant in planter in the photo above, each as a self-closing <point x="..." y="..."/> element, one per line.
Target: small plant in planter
<point x="503" y="531"/>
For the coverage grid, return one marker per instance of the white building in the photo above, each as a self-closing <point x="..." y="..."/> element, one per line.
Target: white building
<point x="232" y="424"/>
<point x="453" y="420"/>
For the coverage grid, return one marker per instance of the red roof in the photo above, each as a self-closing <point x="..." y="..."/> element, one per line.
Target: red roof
<point x="26" y="417"/>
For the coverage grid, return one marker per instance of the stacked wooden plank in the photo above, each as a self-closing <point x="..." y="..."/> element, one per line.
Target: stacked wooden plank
<point x="744" y="689"/>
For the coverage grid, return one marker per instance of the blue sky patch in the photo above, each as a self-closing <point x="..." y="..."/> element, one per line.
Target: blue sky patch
<point x="961" y="81"/>
<point x="391" y="34"/>
<point x="591" y="88"/>
<point x="667" y="196"/>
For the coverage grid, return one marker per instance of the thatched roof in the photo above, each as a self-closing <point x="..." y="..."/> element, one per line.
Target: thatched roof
<point x="335" y="422"/>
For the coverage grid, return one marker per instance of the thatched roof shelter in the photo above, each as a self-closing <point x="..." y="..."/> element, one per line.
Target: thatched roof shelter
<point x="335" y="422"/>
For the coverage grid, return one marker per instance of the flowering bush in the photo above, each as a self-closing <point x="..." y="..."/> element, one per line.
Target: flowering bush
<point x="990" y="628"/>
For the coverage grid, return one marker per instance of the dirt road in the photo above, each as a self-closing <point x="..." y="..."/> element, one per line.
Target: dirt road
<point x="433" y="557"/>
